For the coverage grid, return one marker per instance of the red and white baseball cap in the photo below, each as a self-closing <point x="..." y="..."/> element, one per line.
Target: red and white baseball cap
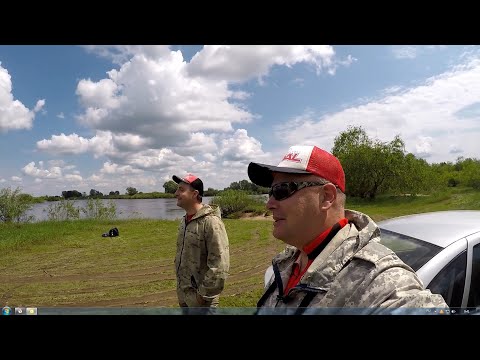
<point x="301" y="160"/>
<point x="192" y="180"/>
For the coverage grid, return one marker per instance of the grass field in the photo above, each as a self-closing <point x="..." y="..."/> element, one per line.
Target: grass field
<point x="66" y="264"/>
<point x="69" y="264"/>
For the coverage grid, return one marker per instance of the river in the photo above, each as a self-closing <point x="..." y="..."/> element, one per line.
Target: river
<point x="127" y="208"/>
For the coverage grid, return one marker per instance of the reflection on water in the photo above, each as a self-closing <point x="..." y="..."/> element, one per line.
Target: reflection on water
<point x="166" y="209"/>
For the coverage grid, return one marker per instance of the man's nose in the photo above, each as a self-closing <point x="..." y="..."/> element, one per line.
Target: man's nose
<point x="271" y="203"/>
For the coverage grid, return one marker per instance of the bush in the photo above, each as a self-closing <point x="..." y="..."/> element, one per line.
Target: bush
<point x="63" y="210"/>
<point x="14" y="205"/>
<point x="233" y="203"/>
<point x="95" y="209"/>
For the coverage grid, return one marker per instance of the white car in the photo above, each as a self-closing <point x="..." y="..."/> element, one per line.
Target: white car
<point x="443" y="248"/>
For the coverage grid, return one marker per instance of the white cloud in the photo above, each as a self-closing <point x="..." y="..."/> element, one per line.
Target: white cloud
<point x="73" y="178"/>
<point x="52" y="173"/>
<point x="39" y="105"/>
<point x="2" y="181"/>
<point x="199" y="143"/>
<point x="121" y="53"/>
<point x="156" y="98"/>
<point x="111" y="168"/>
<point x="215" y="61"/>
<point x="59" y="163"/>
<point x="405" y="52"/>
<point x="64" y="144"/>
<point x="16" y="178"/>
<point x="455" y="149"/>
<point x="241" y="148"/>
<point x="103" y="93"/>
<point x="129" y="142"/>
<point x="431" y="110"/>
<point x="13" y="114"/>
<point x="412" y="52"/>
<point x="154" y="159"/>
<point x="61" y="116"/>
<point x="209" y="157"/>
<point x="102" y="144"/>
<point x="423" y="147"/>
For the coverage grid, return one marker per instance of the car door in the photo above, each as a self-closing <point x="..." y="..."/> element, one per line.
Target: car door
<point x="450" y="281"/>
<point x="472" y="293"/>
<point x="459" y="281"/>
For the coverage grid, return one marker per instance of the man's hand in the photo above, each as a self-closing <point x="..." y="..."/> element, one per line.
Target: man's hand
<point x="200" y="300"/>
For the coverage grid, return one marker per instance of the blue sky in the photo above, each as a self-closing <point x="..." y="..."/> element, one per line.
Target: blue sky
<point x="110" y="117"/>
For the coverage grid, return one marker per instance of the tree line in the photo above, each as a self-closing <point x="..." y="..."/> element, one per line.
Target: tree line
<point x="373" y="167"/>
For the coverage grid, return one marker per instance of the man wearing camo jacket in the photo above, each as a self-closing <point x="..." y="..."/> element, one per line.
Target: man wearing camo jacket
<point x="202" y="261"/>
<point x="333" y="257"/>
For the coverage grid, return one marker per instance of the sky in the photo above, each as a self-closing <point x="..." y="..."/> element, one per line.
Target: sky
<point x="112" y="117"/>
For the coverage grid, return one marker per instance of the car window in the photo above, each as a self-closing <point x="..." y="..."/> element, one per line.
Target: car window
<point x="474" y="297"/>
<point x="414" y="252"/>
<point x="450" y="281"/>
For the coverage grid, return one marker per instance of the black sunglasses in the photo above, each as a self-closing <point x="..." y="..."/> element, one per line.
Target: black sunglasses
<point x="284" y="190"/>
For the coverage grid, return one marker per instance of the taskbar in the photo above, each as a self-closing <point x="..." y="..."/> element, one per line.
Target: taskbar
<point x="29" y="311"/>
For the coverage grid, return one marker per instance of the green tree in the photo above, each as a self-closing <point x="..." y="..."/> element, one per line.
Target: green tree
<point x="170" y="187"/>
<point x="373" y="167"/>
<point x="233" y="186"/>
<point x="95" y="193"/>
<point x="131" y="191"/>
<point x="470" y="172"/>
<point x="71" y="194"/>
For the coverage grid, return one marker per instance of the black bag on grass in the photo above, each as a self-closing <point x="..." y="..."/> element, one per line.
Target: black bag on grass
<point x="111" y="233"/>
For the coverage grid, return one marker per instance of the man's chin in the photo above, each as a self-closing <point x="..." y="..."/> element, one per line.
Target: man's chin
<point x="278" y="234"/>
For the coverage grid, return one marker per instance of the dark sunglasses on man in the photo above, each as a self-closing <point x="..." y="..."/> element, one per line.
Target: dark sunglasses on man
<point x="284" y="190"/>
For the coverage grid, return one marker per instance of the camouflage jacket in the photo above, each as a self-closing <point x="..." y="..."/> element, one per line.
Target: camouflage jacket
<point x="354" y="270"/>
<point x="202" y="261"/>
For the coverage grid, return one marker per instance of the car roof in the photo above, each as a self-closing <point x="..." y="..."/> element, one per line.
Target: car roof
<point x="439" y="228"/>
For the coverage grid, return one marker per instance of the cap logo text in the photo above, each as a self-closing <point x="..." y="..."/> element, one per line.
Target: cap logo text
<point x="292" y="157"/>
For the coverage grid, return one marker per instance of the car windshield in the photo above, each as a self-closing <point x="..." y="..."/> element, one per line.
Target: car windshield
<point x="414" y="252"/>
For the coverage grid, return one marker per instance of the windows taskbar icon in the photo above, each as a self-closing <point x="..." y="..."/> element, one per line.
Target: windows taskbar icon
<point x="6" y="310"/>
<point x="20" y="311"/>
<point x="31" y="311"/>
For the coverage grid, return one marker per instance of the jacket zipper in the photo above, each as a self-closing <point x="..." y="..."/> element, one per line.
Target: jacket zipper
<point x="183" y="244"/>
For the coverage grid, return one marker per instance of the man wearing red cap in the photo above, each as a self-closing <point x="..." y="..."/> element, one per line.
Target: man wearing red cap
<point x="333" y="256"/>
<point x="202" y="261"/>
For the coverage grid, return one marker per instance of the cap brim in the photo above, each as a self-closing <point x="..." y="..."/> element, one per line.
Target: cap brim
<point x="178" y="180"/>
<point x="261" y="174"/>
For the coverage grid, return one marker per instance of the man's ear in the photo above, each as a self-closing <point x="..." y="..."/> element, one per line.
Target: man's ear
<point x="329" y="196"/>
